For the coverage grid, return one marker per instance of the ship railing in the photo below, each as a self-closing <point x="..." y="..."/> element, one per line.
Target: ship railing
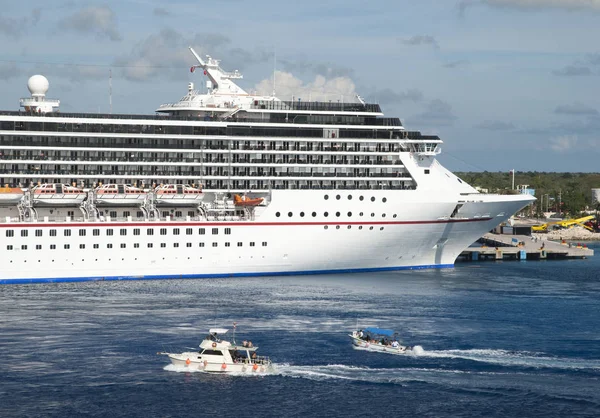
<point x="315" y="106"/>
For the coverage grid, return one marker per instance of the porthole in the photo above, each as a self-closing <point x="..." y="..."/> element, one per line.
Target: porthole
<point x="349" y="226"/>
<point x="326" y="227"/>
<point x="338" y="197"/>
<point x="314" y="214"/>
<point x="395" y="215"/>
<point x="384" y="199"/>
<point x="349" y="214"/>
<point x="361" y="198"/>
<point x="372" y="215"/>
<point x="302" y="214"/>
<point x="326" y="214"/>
<point x="337" y="214"/>
<point x="372" y="198"/>
<point x="349" y="197"/>
<point x="370" y="228"/>
<point x="361" y="214"/>
<point x="360" y="227"/>
<point x="278" y="214"/>
<point x="326" y="197"/>
<point x="337" y="227"/>
<point x="290" y="214"/>
<point x="381" y="229"/>
<point x="383" y="215"/>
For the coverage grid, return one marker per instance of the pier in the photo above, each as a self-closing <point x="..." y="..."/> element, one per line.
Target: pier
<point x="522" y="247"/>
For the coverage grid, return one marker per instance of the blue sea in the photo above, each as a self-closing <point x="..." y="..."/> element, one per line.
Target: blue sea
<point x="506" y="339"/>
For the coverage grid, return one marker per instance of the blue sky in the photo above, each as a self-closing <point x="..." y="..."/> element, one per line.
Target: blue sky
<point x="505" y="83"/>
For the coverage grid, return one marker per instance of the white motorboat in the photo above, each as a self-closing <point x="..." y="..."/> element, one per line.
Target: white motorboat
<point x="178" y="195"/>
<point x="57" y="194"/>
<point x="379" y="340"/>
<point x="219" y="356"/>
<point x="120" y="195"/>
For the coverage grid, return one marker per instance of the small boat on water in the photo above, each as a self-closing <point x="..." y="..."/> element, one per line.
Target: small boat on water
<point x="120" y="195"/>
<point x="243" y="200"/>
<point x="219" y="356"/>
<point x="178" y="195"/>
<point x="10" y="195"/>
<point x="379" y="340"/>
<point x="57" y="194"/>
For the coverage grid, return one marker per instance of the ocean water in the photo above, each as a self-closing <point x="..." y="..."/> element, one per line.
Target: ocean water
<point x="509" y="339"/>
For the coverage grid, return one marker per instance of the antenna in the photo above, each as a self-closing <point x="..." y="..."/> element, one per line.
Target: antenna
<point x="110" y="89"/>
<point x="274" y="69"/>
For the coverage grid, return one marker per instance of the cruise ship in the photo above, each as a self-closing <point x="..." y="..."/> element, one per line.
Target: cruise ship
<point x="227" y="183"/>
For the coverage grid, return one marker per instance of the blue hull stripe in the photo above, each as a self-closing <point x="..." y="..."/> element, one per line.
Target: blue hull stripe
<point x="217" y="275"/>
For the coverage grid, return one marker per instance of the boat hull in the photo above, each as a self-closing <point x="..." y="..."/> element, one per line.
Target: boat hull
<point x="190" y="362"/>
<point x="379" y="348"/>
<point x="406" y="234"/>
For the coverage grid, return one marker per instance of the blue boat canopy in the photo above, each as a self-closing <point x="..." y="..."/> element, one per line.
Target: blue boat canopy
<point x="380" y="331"/>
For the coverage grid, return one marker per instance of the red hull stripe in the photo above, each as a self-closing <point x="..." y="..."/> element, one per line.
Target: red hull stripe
<point x="224" y="223"/>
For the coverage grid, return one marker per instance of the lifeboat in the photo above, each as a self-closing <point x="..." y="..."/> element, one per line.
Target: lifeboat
<point x="10" y="195"/>
<point x="246" y="201"/>
<point x="178" y="195"/>
<point x="119" y="195"/>
<point x="57" y="194"/>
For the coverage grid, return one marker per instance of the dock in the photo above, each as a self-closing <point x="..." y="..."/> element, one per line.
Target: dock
<point x="522" y="247"/>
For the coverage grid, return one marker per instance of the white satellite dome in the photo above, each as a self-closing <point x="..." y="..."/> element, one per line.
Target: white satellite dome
<point x="38" y="85"/>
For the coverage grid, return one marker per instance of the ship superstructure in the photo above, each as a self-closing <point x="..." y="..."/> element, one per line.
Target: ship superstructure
<point x="228" y="183"/>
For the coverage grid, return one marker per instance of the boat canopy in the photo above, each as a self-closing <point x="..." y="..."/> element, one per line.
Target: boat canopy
<point x="380" y="331"/>
<point x="218" y="331"/>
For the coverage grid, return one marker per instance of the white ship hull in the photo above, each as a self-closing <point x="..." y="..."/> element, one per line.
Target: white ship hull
<point x="408" y="231"/>
<point x="188" y="361"/>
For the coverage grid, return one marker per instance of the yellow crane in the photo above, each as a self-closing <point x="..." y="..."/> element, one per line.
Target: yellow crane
<point x="567" y="223"/>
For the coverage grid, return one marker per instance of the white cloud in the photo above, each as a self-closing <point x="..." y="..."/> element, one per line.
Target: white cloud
<point x="320" y="89"/>
<point x="100" y="20"/>
<point x="564" y="143"/>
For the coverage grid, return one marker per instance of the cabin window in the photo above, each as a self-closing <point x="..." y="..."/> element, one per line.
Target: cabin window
<point x="96" y="232"/>
<point x="109" y="232"/>
<point x="150" y="231"/>
<point x="214" y="244"/>
<point x="426" y="171"/>
<point x="126" y="214"/>
<point x="163" y="231"/>
<point x="108" y="245"/>
<point x="188" y="245"/>
<point x="53" y="246"/>
<point x="96" y="246"/>
<point x="9" y="247"/>
<point x="201" y="244"/>
<point x="215" y="231"/>
<point x="175" y="245"/>
<point x="163" y="245"/>
<point x="264" y="244"/>
<point x="212" y="353"/>
<point x="113" y="214"/>
<point x="82" y="232"/>
<point x="239" y="244"/>
<point x="38" y="232"/>
<point x="11" y="233"/>
<point x="23" y="247"/>
<point x="227" y="231"/>
<point x="175" y="231"/>
<point x="67" y="232"/>
<point x="82" y="246"/>
<point x="24" y="232"/>
<point x="188" y="231"/>
<point x="67" y="246"/>
<point x="150" y="245"/>
<point x="201" y="231"/>
<point x="123" y="231"/>
<point x="123" y="245"/>
<point x="136" y="231"/>
<point x="252" y="244"/>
